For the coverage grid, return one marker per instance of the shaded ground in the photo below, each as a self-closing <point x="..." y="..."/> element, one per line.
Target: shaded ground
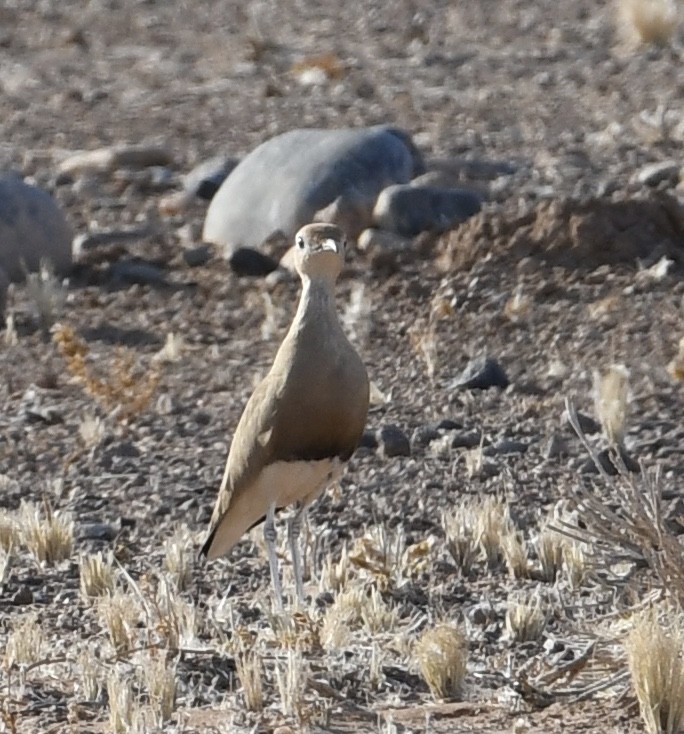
<point x="549" y="287"/>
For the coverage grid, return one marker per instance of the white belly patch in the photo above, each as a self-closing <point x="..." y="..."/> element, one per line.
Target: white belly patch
<point x="287" y="482"/>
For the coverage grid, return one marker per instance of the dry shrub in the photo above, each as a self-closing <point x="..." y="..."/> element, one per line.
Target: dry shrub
<point x="626" y="523"/>
<point x="442" y="654"/>
<point x="655" y="654"/>
<point x="176" y="617"/>
<point x="676" y="366"/>
<point x="492" y="523"/>
<point x="648" y="21"/>
<point x="384" y="555"/>
<point x="123" y="708"/>
<point x="49" y="537"/>
<point x="423" y="335"/>
<point x="127" y="389"/>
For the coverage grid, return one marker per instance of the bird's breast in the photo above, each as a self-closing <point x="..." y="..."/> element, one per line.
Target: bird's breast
<point x="287" y="482"/>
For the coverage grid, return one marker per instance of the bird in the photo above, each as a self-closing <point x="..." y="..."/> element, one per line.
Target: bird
<point x="302" y="422"/>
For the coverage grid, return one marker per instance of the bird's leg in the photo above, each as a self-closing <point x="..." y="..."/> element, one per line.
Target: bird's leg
<point x="294" y="529"/>
<point x="270" y="538"/>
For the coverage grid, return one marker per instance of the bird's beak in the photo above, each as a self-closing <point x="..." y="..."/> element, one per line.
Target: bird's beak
<point x="328" y="244"/>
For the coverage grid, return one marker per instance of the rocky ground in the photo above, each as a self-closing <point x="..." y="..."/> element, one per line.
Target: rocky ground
<point x="574" y="265"/>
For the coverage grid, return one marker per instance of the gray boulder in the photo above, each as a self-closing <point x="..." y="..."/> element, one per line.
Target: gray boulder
<point x="282" y="184"/>
<point x="408" y="210"/>
<point x="32" y="228"/>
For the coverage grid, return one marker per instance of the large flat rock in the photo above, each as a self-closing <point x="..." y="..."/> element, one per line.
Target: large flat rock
<point x="281" y="184"/>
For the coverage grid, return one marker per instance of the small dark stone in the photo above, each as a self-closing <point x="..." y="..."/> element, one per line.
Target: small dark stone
<point x="246" y="261"/>
<point x="393" y="441"/>
<point x="556" y="446"/>
<point x="506" y="446"/>
<point x="588" y="425"/>
<point x="22" y="596"/>
<point x="481" y="374"/>
<point x="466" y="440"/>
<point x="423" y="436"/>
<point x="137" y="273"/>
<point x="98" y="531"/>
<point x="606" y="458"/>
<point x="197" y="256"/>
<point x="446" y="424"/>
<point x="368" y="440"/>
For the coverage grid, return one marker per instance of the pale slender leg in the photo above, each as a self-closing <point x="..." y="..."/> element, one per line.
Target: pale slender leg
<point x="294" y="529"/>
<point x="270" y="538"/>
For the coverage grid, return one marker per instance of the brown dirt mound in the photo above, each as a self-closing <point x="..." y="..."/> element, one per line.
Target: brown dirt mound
<point x="572" y="234"/>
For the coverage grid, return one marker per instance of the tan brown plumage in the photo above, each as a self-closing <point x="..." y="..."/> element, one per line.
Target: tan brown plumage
<point x="306" y="417"/>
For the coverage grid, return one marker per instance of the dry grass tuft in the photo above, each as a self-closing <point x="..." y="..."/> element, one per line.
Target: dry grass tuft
<point x="655" y="656"/>
<point x="461" y="538"/>
<point x="334" y="575"/>
<point x="442" y="654"/>
<point x="119" y="615"/>
<point x="92" y="430"/>
<point x="291" y="674"/>
<point x="551" y="547"/>
<point x="9" y="532"/>
<point x="514" y="552"/>
<point x="160" y="682"/>
<point x="611" y="394"/>
<point x="48" y="295"/>
<point x="676" y="366"/>
<point x="358" y="315"/>
<point x="649" y="22"/>
<point x="355" y="608"/>
<point x="423" y="335"/>
<point x="49" y="537"/>
<point x="250" y="673"/>
<point x="5" y="557"/>
<point x="89" y="678"/>
<point x="492" y="522"/>
<point x="172" y="351"/>
<point x="127" y="389"/>
<point x="25" y="642"/>
<point x="177" y="618"/>
<point x="97" y="575"/>
<point x="525" y="620"/>
<point x="576" y="564"/>
<point x="178" y="558"/>
<point x="123" y="708"/>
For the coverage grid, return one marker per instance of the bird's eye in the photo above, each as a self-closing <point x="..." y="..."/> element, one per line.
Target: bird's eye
<point x="300" y="243"/>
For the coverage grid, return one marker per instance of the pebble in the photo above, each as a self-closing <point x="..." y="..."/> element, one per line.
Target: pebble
<point x="98" y="531"/>
<point x="135" y="272"/>
<point x="393" y="441"/>
<point x="468" y="440"/>
<point x="555" y="447"/>
<point x="480" y="374"/>
<point x="588" y="425"/>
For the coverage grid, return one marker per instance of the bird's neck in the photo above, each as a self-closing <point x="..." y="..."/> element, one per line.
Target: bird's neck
<point x="317" y="300"/>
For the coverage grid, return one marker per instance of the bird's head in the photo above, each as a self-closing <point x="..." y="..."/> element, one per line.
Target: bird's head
<point x="319" y="251"/>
